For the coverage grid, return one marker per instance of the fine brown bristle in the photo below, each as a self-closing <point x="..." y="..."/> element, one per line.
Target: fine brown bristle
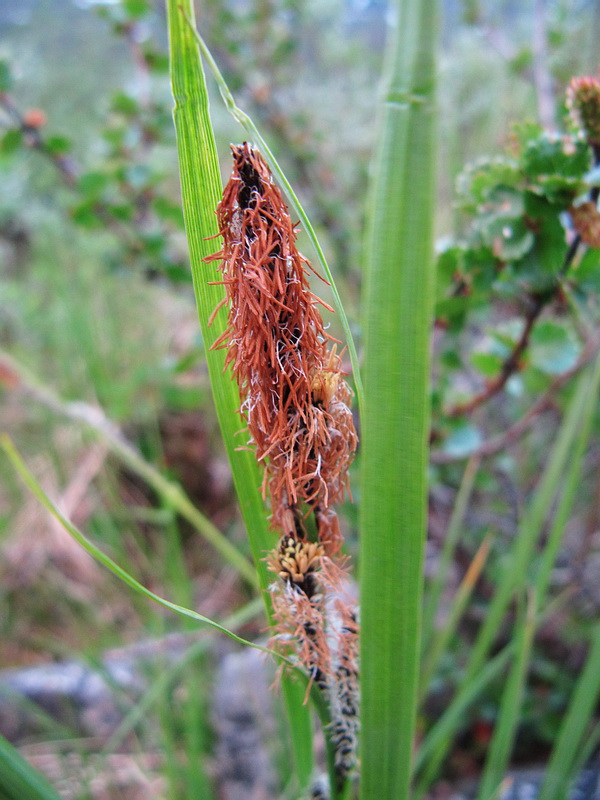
<point x="294" y="397"/>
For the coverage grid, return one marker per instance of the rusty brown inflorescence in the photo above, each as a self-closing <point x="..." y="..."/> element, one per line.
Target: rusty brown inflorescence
<point x="294" y="397"/>
<point x="583" y="101"/>
<point x="296" y="405"/>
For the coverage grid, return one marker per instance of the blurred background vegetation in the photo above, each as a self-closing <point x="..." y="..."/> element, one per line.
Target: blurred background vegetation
<point x="98" y="323"/>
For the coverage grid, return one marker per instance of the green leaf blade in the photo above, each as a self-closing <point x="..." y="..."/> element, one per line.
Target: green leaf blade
<point x="395" y="420"/>
<point x="201" y="191"/>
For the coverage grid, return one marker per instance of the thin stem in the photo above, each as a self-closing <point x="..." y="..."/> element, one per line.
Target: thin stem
<point x="95" y="419"/>
<point x="511" y="436"/>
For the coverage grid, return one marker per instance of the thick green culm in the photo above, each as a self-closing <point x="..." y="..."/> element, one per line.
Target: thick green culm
<point x="395" y="417"/>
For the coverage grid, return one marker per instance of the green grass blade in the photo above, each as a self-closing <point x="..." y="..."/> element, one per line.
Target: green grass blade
<point x="510" y="706"/>
<point x="451" y="538"/>
<point x="575" y="726"/>
<point x="246" y="122"/>
<point x="201" y="192"/>
<point x="105" y="560"/>
<point x="435" y="745"/>
<point x="442" y="637"/>
<point x="19" y="780"/>
<point x="518" y="560"/>
<point x="433" y="748"/>
<point x="395" y="418"/>
<point x="172" y="672"/>
<point x="586" y="749"/>
<point x="171" y="493"/>
<point x="572" y="482"/>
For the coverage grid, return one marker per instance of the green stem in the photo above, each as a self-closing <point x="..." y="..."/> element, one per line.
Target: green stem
<point x="171" y="492"/>
<point x="395" y="420"/>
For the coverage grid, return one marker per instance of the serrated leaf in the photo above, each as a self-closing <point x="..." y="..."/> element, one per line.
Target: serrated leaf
<point x="507" y="202"/>
<point x="526" y="132"/>
<point x="478" y="180"/>
<point x="554" y="155"/>
<point x="508" y="237"/>
<point x="543" y="262"/>
<point x="558" y="189"/>
<point x="552" y="348"/>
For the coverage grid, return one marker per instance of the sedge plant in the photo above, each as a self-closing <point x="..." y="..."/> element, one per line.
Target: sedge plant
<point x="276" y="371"/>
<point x="394" y="423"/>
<point x="292" y="414"/>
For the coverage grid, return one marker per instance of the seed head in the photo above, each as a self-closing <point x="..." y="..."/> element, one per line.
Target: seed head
<point x="583" y="101"/>
<point x="586" y="221"/>
<point x="294" y="398"/>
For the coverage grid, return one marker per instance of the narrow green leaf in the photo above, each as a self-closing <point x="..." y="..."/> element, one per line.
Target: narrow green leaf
<point x="90" y="547"/>
<point x="451" y="538"/>
<point x="395" y="418"/>
<point x="435" y="745"/>
<point x="433" y="748"/>
<point x="572" y="483"/>
<point x="171" y="492"/>
<point x="517" y="561"/>
<point x="510" y="706"/>
<point x="201" y="192"/>
<point x="442" y="637"/>
<point x="575" y="726"/>
<point x="19" y="780"/>
<point x="170" y="673"/>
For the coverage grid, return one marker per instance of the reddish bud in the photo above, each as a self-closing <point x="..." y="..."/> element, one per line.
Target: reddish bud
<point x="583" y="101"/>
<point x="35" y="118"/>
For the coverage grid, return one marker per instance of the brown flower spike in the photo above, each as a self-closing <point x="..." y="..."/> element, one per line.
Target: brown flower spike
<point x="583" y="101"/>
<point x="296" y="405"/>
<point x="294" y="398"/>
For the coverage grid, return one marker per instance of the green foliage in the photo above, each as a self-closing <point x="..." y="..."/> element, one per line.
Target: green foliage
<point x="510" y="263"/>
<point x="395" y="414"/>
<point x="516" y="315"/>
<point x="19" y="780"/>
